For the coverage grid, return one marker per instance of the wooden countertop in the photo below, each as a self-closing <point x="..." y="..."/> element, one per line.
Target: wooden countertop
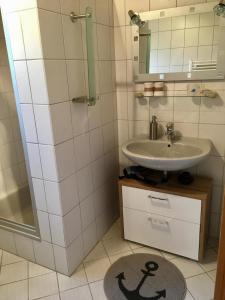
<point x="199" y="189"/>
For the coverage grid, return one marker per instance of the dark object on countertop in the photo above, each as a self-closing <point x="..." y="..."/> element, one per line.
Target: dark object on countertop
<point x="144" y="174"/>
<point x="185" y="178"/>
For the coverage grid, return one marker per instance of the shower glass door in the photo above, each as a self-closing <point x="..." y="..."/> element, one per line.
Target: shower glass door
<point x="16" y="209"/>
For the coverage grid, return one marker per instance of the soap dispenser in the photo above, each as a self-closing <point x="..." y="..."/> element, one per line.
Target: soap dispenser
<point x="153" y="129"/>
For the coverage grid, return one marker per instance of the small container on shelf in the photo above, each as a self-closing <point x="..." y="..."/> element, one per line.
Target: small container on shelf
<point x="148" y="89"/>
<point x="159" y="89"/>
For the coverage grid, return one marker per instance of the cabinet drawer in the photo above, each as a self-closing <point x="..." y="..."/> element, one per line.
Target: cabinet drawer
<point x="175" y="236"/>
<point x="172" y="206"/>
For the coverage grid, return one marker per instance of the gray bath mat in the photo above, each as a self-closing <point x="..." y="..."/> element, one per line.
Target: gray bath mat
<point x="144" y="277"/>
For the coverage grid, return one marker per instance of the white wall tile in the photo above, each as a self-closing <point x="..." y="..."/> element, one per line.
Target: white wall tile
<point x="191" y="37"/>
<point x="31" y="34"/>
<point x="162" y="4"/>
<point x="96" y="143"/>
<point x="76" y="78"/>
<point x="60" y="259"/>
<point x="82" y="148"/>
<point x="89" y="238"/>
<point x="119" y="12"/>
<point x="98" y="172"/>
<point x="44" y="254"/>
<point x="85" y="183"/>
<point x="53" y="5"/>
<point x="48" y="159"/>
<point x="39" y="194"/>
<point x="57" y="84"/>
<point x="7" y="241"/>
<point x="34" y="160"/>
<point x="87" y="211"/>
<point x="72" y="38"/>
<point x="51" y="35"/>
<point x="29" y="123"/>
<point x="107" y="108"/>
<point x="54" y="123"/>
<point x="24" y="247"/>
<point x="22" y="80"/>
<point x="206" y="36"/>
<point x="69" y="5"/>
<point x="75" y="254"/>
<point x="61" y="197"/>
<point x="15" y="35"/>
<point x="102" y="12"/>
<point x="43" y="220"/>
<point x="108" y="137"/>
<point x="79" y="113"/>
<point x="104" y="42"/>
<point x="94" y="115"/>
<point x="38" y="81"/>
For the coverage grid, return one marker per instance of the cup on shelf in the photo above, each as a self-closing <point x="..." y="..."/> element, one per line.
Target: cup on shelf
<point x="148" y="89"/>
<point x="159" y="89"/>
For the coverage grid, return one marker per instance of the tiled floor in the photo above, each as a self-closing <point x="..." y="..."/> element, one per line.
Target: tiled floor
<point x="23" y="280"/>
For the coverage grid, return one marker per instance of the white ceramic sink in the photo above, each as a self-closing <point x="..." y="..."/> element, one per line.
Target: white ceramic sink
<point x="161" y="155"/>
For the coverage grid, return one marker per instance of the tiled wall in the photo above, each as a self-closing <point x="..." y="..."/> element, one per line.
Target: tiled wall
<point x="71" y="147"/>
<point x="12" y="167"/>
<point x="198" y="117"/>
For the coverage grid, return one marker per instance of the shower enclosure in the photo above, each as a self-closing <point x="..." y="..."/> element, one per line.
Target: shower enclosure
<point x="17" y="211"/>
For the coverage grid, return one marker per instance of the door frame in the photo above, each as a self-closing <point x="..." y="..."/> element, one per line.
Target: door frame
<point x="220" y="277"/>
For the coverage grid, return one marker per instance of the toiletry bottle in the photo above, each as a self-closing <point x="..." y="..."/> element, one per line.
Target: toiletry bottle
<point x="153" y="128"/>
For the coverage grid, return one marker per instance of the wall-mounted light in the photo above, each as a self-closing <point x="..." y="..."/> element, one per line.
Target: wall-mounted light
<point x="219" y="9"/>
<point x="136" y="19"/>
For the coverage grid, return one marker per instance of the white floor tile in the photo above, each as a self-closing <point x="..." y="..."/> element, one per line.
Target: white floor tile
<point x="188" y="296"/>
<point x="147" y="250"/>
<point x="42" y="286"/>
<point x="201" y="287"/>
<point x="77" y="279"/>
<point x="97" y="269"/>
<point x="36" y="270"/>
<point x="8" y="258"/>
<point x="97" y="253"/>
<point x="13" y="272"/>
<point x="14" y="291"/>
<point x="113" y="232"/>
<point x="212" y="275"/>
<point x="187" y="267"/>
<point x="97" y="290"/>
<point x="81" y="293"/>
<point x="134" y="245"/>
<point x="169" y="256"/>
<point x="53" y="297"/>
<point x="210" y="261"/>
<point x="114" y="258"/>
<point x="116" y="246"/>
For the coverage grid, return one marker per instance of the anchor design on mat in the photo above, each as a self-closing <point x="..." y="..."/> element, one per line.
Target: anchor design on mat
<point x="135" y="294"/>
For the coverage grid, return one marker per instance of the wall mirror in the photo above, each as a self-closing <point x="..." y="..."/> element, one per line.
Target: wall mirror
<point x="184" y="43"/>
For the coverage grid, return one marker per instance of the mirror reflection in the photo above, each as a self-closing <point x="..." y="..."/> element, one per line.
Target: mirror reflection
<point x="184" y="43"/>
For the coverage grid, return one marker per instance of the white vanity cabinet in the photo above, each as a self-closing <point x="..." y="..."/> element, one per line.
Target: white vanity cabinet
<point x="168" y="217"/>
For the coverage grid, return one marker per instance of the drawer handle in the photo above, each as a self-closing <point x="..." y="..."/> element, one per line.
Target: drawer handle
<point x="157" y="198"/>
<point x="158" y="222"/>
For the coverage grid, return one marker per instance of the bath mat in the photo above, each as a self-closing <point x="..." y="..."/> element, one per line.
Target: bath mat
<point x="144" y="277"/>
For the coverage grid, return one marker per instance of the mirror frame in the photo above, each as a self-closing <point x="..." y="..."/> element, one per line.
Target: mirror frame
<point x="218" y="74"/>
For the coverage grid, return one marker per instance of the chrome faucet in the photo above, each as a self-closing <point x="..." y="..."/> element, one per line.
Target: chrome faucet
<point x="170" y="132"/>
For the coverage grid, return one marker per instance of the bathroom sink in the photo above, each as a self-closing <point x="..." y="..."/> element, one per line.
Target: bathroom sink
<point x="165" y="156"/>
